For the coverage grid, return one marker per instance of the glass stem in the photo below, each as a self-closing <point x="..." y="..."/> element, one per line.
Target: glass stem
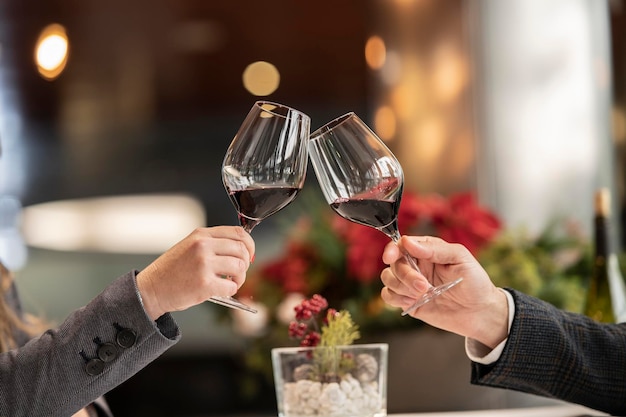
<point x="395" y="236"/>
<point x="247" y="223"/>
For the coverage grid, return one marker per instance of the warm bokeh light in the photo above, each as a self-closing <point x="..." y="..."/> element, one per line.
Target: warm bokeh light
<point x="391" y="72"/>
<point x="403" y="101"/>
<point x="404" y="3"/>
<point x="51" y="51"/>
<point x="430" y="138"/>
<point x="375" y="52"/>
<point x="142" y="224"/>
<point x="463" y="157"/>
<point x="261" y="78"/>
<point x="385" y="123"/>
<point x="410" y="96"/>
<point x="422" y="4"/>
<point x="451" y="74"/>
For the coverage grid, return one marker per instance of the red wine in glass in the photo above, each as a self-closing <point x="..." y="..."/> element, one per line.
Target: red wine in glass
<point x="255" y="204"/>
<point x="362" y="181"/>
<point x="380" y="214"/>
<point x="377" y="207"/>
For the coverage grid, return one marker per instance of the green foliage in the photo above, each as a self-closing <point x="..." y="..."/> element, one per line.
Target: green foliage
<point x="340" y="330"/>
<point x="553" y="266"/>
<point x="329" y="361"/>
<point x="330" y="364"/>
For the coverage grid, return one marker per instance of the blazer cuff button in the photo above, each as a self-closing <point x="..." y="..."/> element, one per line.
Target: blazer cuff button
<point x="94" y="367"/>
<point x="126" y="338"/>
<point x="107" y="352"/>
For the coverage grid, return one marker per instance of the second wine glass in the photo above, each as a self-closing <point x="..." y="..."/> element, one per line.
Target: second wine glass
<point x="362" y="181"/>
<point x="265" y="166"/>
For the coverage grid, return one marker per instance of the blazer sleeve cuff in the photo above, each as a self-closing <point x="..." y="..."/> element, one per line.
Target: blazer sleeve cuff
<point x="165" y="324"/>
<point x="484" y="355"/>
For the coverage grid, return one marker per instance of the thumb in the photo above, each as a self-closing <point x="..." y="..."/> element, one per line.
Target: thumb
<point x="434" y="249"/>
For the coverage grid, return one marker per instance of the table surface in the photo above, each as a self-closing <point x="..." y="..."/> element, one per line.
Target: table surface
<point x="565" y="410"/>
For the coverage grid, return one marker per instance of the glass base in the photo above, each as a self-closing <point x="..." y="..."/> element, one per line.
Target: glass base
<point x="430" y="294"/>
<point x="232" y="303"/>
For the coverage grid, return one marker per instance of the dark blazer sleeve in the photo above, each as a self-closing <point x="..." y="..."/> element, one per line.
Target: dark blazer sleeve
<point x="561" y="355"/>
<point x="95" y="349"/>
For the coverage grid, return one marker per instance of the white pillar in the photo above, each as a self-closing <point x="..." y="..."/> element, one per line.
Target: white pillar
<point x="543" y="88"/>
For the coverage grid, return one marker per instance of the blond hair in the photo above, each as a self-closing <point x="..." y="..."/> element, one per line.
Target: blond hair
<point x="12" y="321"/>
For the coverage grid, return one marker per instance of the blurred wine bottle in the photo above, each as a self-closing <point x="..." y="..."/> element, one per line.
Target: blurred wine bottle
<point x="606" y="294"/>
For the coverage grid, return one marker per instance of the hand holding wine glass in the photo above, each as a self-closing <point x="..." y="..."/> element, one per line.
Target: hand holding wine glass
<point x="362" y="181"/>
<point x="265" y="167"/>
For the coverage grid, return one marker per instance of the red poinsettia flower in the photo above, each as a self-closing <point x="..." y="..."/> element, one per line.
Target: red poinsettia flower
<point x="363" y="253"/>
<point x="412" y="210"/>
<point x="290" y="271"/>
<point x="462" y="220"/>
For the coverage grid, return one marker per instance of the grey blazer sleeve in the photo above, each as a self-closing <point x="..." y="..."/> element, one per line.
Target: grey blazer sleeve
<point x="561" y="355"/>
<point x="94" y="350"/>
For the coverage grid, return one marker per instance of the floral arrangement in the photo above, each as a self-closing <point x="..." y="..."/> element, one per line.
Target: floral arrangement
<point x="336" y="328"/>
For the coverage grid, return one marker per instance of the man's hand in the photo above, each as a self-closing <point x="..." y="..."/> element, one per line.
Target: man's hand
<point x="475" y="308"/>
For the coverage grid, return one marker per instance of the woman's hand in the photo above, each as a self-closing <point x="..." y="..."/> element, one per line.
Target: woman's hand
<point x="195" y="269"/>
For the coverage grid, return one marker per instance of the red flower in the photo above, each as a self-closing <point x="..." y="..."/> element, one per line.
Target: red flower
<point x="297" y="330"/>
<point x="463" y="221"/>
<point x="364" y="246"/>
<point x="412" y="210"/>
<point x="312" y="339"/>
<point x="311" y="307"/>
<point x="306" y="327"/>
<point x="290" y="271"/>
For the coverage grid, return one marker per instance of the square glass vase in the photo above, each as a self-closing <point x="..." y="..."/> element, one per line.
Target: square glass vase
<point x="340" y="381"/>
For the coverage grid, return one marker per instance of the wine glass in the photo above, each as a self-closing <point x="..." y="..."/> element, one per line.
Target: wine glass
<point x="265" y="167"/>
<point x="362" y="181"/>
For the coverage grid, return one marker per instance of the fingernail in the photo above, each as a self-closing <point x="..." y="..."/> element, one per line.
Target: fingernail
<point x="253" y="256"/>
